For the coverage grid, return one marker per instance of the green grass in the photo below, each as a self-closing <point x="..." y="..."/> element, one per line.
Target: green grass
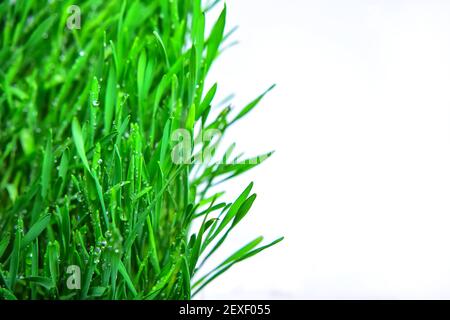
<point x="87" y="173"/>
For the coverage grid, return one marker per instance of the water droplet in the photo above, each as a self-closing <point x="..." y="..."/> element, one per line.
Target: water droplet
<point x="30" y="20"/>
<point x="82" y="53"/>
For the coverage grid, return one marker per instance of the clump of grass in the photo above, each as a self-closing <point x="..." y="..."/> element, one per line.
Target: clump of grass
<point x="89" y="180"/>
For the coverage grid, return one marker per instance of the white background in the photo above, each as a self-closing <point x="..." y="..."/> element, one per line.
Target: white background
<point x="360" y="121"/>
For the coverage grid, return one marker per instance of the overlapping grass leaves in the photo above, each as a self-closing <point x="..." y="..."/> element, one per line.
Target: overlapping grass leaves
<point x="86" y="173"/>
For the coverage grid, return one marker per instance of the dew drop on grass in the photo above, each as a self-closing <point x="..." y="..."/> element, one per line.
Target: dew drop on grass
<point x="29" y="258"/>
<point x="30" y="20"/>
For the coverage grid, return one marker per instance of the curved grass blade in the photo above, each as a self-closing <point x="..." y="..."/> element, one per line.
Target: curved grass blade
<point x="79" y="143"/>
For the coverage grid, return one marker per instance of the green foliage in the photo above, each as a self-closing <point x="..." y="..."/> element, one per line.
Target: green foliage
<point x="87" y="176"/>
